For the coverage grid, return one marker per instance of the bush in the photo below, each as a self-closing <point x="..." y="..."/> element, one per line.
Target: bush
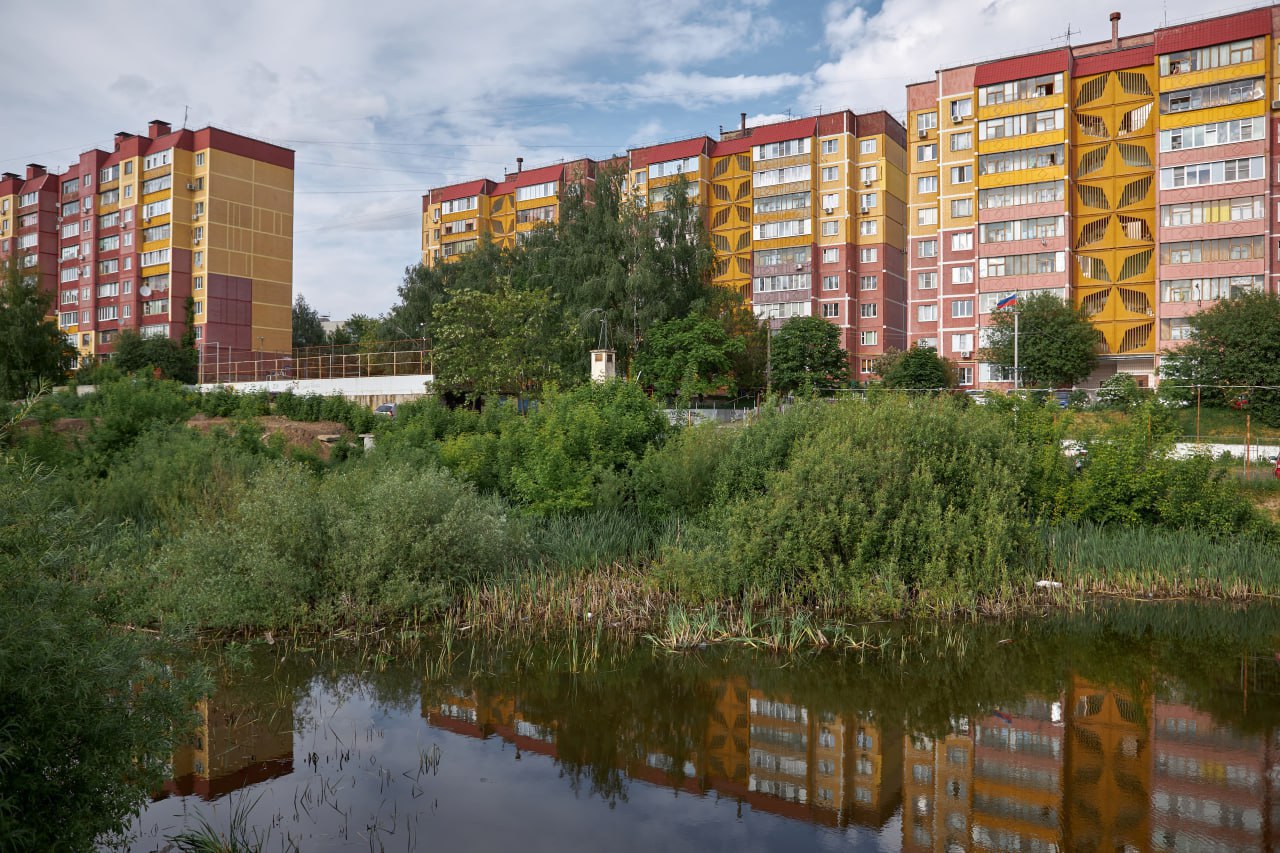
<point x="679" y="477"/>
<point x="918" y="497"/>
<point x="1120" y="392"/>
<point x="123" y="410"/>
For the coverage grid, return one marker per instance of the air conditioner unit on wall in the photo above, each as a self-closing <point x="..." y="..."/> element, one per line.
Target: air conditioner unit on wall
<point x="865" y="211"/>
<point x="965" y="353"/>
<point x="922" y="133"/>
<point x="867" y="182"/>
<point x="191" y="187"/>
<point x="828" y="210"/>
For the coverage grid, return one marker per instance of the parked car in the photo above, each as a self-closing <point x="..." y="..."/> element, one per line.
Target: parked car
<point x="388" y="409"/>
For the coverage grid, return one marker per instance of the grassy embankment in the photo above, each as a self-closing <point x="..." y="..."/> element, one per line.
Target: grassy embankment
<point x="593" y="511"/>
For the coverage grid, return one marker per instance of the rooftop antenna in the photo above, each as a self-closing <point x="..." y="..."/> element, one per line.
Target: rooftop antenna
<point x="1067" y="35"/>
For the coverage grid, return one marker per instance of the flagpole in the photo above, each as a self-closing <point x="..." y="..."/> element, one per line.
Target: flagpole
<point x="1015" y="347"/>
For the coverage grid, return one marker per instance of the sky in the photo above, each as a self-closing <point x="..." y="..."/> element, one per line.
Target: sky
<point x="384" y="99"/>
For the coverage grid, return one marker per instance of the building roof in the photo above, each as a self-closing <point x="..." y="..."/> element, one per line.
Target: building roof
<point x="541" y="175"/>
<point x="1022" y="67"/>
<point x="670" y="151"/>
<point x="1114" y="60"/>
<point x="1242" y="25"/>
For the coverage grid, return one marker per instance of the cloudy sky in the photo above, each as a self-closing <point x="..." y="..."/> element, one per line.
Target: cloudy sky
<point x="383" y="99"/>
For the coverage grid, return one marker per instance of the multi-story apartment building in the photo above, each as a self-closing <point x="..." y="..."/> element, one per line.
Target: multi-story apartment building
<point x="806" y="217"/>
<point x="123" y="237"/>
<point x="1127" y="176"/>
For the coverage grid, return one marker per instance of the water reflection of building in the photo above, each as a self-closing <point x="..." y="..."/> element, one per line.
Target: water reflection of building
<point x="1017" y="776"/>
<point x="1108" y="768"/>
<point x="238" y="742"/>
<point x="1210" y="785"/>
<point x="937" y="789"/>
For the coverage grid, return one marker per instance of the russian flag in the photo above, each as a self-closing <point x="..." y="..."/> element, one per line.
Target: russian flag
<point x="1008" y="302"/>
<point x="1002" y="715"/>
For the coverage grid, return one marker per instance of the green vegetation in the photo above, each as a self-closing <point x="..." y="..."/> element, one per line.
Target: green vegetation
<point x="307" y="328"/>
<point x="806" y="356"/>
<point x="1235" y="344"/>
<point x="32" y="347"/>
<point x="1057" y="345"/>
<point x="917" y="369"/>
<point x="688" y="357"/>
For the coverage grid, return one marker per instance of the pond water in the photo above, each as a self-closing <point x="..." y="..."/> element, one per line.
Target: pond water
<point x="1145" y="727"/>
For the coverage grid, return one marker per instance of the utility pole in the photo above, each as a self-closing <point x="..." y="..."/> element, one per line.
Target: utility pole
<point x="1017" y="373"/>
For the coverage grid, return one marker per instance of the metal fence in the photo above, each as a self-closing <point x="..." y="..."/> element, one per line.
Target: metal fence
<point x="222" y="365"/>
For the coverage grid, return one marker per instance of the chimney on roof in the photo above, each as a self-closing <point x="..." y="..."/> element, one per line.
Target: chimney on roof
<point x="34" y="170"/>
<point x="1115" y="30"/>
<point x="121" y="136"/>
<point x="8" y="176"/>
<point x="157" y="128"/>
<point x="519" y="165"/>
<point x="742" y="124"/>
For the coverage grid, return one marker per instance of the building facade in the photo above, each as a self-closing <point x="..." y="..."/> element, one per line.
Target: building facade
<point x="1130" y="177"/>
<point x="806" y="217"/>
<point x="122" y="238"/>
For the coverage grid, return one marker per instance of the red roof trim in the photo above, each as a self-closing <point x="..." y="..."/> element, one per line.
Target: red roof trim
<point x="537" y="176"/>
<point x="1115" y="60"/>
<point x="480" y="186"/>
<point x="784" y="131"/>
<point x="1022" y="67"/>
<point x="1215" y="31"/>
<point x="670" y="151"/>
<point x="731" y="146"/>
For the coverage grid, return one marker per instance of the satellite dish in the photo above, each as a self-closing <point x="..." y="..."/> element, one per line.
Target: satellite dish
<point x="145" y="290"/>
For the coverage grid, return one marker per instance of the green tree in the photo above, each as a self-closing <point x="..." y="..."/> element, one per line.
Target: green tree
<point x="506" y="342"/>
<point x="687" y="357"/>
<point x="136" y="354"/>
<point x="916" y="369"/>
<point x="1057" y="345"/>
<point x="749" y="363"/>
<point x="32" y="347"/>
<point x="1234" y="343"/>
<point x="806" y="354"/>
<point x="307" y="330"/>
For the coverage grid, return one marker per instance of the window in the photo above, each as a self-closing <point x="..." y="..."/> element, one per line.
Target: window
<point x="964" y="375"/>
<point x="926" y="121"/>
<point x="67" y="318"/>
<point x="159" y="256"/>
<point x="869" y="339"/>
<point x="1038" y="263"/>
<point x="867" y="365"/>
<point x="1039" y="228"/>
<point x="962" y="275"/>
<point x="109" y="244"/>
<point x="831" y="309"/>
<point x="1205" y="251"/>
<point x="831" y="256"/>
<point x="868" y="255"/>
<point x="961" y="109"/>
<point x="157" y="330"/>
<point x="961" y="174"/>
<point x="1199" y="289"/>
<point x="869" y="310"/>
<point x="1203" y="97"/>
<point x="197" y="233"/>
<point x="830" y="173"/>
<point x="1239" y="209"/>
<point x="1038" y="193"/>
<point x="830" y="146"/>
<point x="544" y="190"/>
<point x="869" y="282"/>
<point x="777" y="203"/>
<point x="789" y="148"/>
<point x="107" y="312"/>
<point x="927" y="184"/>
<point x="792" y="256"/>
<point x="197" y="259"/>
<point x="127" y="285"/>
<point x="1218" y="172"/>
<point x="1019" y="90"/>
<point x="776" y="283"/>
<point x="128" y="190"/>
<point x="199" y="209"/>
<point x="108" y="289"/>
<point x="926" y="153"/>
<point x="962" y="207"/>
<point x="868" y="174"/>
<point x="927" y="249"/>
<point x="927" y="216"/>
<point x="831" y="201"/>
<point x="867" y="200"/>
<point x="128" y="167"/>
<point x="831" y="282"/>
<point x="962" y="308"/>
<point x="154" y="307"/>
<point x="156" y="185"/>
<point x="773" y="177"/>
<point x="830" y="228"/>
<point x="962" y="241"/>
<point x="26" y="199"/>
<point x="1218" y="56"/>
<point x="108" y="197"/>
<point x="1207" y="135"/>
<point x="198" y="309"/>
<point x="200" y="158"/>
<point x="71" y="229"/>
<point x="108" y="267"/>
<point x="456" y="205"/>
<point x="962" y="141"/>
<point x="866" y="146"/>
<point x="868" y="227"/>
<point x="926" y="313"/>
<point x="109" y="220"/>
<point x="156" y="208"/>
<point x="160" y="158"/>
<point x="128" y="215"/>
<point x="197" y="283"/>
<point x="158" y="232"/>
<point x="1019" y="125"/>
<point x="674" y="167"/>
<point x="70" y="296"/>
<point x="785" y="228"/>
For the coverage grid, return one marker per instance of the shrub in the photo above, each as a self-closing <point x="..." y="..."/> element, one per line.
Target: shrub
<point x="679" y="477"/>
<point x="123" y="410"/>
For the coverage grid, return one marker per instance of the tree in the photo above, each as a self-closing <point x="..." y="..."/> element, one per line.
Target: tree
<point x="307" y="328"/>
<point x="750" y="363"/>
<point x="916" y="369"/>
<point x="506" y="342"/>
<point x="806" y="353"/>
<point x="1235" y="343"/>
<point x="1057" y="345"/>
<point x="135" y="354"/>
<point x="687" y="357"/>
<point x="32" y="347"/>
